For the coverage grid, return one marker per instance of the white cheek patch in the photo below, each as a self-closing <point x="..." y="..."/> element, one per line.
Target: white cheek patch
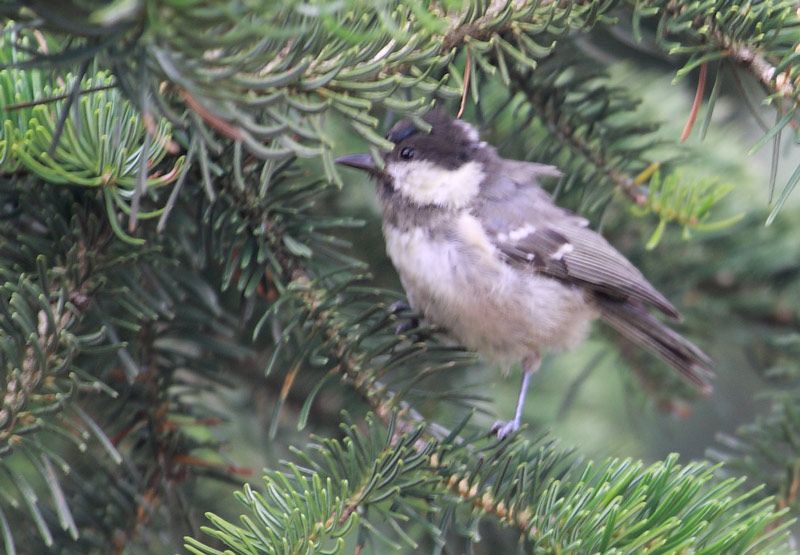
<point x="426" y="183"/>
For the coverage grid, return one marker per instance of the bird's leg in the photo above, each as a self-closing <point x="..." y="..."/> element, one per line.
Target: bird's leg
<point x="503" y="429"/>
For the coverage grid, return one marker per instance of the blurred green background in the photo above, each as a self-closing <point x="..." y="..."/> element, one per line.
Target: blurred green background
<point x="738" y="288"/>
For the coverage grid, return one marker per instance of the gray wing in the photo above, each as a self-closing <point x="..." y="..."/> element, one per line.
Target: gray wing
<point x="529" y="229"/>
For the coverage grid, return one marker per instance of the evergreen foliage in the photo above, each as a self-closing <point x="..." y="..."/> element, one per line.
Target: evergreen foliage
<point x="169" y="234"/>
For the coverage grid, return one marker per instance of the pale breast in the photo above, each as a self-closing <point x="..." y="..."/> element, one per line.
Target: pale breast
<point x="455" y="277"/>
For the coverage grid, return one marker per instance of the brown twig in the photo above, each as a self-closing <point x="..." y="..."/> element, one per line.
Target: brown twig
<point x="758" y="65"/>
<point x="219" y="124"/>
<point x="467" y="72"/>
<point x="698" y="101"/>
<point x="751" y="59"/>
<point x="478" y="29"/>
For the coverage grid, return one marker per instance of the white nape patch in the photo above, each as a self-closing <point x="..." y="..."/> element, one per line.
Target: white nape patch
<point x="471" y="132"/>
<point x="566" y="248"/>
<point x="530" y="257"/>
<point x="423" y="182"/>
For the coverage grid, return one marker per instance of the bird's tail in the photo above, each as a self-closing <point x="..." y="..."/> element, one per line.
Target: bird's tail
<point x="640" y="327"/>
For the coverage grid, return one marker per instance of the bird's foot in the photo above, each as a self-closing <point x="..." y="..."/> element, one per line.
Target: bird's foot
<point x="399" y="306"/>
<point x="409" y="323"/>
<point x="503" y="429"/>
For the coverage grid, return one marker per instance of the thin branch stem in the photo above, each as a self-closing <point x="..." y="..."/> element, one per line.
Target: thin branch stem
<point x="480" y="28"/>
<point x="698" y="101"/>
<point x="755" y="62"/>
<point x="567" y="136"/>
<point x="467" y="73"/>
<point x="758" y="65"/>
<point x="56" y="98"/>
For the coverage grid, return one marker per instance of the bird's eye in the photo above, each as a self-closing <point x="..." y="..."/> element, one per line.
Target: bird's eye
<point x="406" y="153"/>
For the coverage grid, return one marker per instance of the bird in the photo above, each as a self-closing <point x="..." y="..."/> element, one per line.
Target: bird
<point x="483" y="252"/>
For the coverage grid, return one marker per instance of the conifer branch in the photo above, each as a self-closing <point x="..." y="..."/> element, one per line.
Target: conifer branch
<point x="350" y="364"/>
<point x="249" y="97"/>
<point x="566" y="134"/>
<point x="452" y="464"/>
<point x="563" y="129"/>
<point x="766" y="73"/>
<point x="48" y="321"/>
<point x="751" y="36"/>
<point x="485" y="25"/>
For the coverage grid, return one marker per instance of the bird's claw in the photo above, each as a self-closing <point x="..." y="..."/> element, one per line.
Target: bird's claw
<point x="503" y="429"/>
<point x="409" y="323"/>
<point x="399" y="306"/>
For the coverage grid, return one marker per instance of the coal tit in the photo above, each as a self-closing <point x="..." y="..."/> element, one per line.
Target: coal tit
<point x="483" y="252"/>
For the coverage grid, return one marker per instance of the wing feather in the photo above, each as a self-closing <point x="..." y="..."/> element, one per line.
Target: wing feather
<point x="529" y="229"/>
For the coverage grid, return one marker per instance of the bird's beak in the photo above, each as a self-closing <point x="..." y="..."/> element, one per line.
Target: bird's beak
<point x="358" y="161"/>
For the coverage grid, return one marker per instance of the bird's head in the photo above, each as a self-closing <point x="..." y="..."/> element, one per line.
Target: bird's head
<point x="442" y="167"/>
